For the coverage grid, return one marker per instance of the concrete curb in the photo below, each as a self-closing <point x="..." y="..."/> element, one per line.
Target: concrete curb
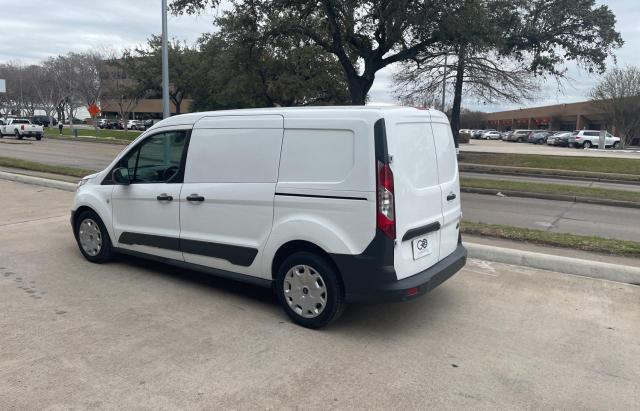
<point x="556" y="197"/>
<point x="567" y="265"/>
<point x="39" y="181"/>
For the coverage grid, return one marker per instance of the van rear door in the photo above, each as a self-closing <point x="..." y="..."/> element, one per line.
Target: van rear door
<point x="417" y="193"/>
<point x="449" y="184"/>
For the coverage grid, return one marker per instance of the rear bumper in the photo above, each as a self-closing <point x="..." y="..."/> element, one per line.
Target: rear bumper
<point x="368" y="280"/>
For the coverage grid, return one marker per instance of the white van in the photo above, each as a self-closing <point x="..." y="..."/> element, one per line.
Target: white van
<point x="328" y="205"/>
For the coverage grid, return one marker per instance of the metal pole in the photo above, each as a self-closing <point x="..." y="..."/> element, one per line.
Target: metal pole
<point x="444" y="81"/>
<point x="165" y="63"/>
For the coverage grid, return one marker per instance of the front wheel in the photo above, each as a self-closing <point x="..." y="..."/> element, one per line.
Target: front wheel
<point x="309" y="290"/>
<point x="616" y="144"/>
<point x="18" y="135"/>
<point x="39" y="137"/>
<point x="587" y="144"/>
<point x="93" y="238"/>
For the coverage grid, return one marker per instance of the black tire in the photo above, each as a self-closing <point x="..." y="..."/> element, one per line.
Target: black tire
<point x="334" y="305"/>
<point x="587" y="144"/>
<point x="18" y="135"/>
<point x="616" y="144"/>
<point x="106" y="250"/>
<point x="519" y="140"/>
<point x="39" y="137"/>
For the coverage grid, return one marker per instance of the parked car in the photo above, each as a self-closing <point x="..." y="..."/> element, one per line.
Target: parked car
<point x="20" y="128"/>
<point x="539" y="137"/>
<point x="478" y="133"/>
<point x="287" y="198"/>
<point x="135" y="125"/>
<point x="43" y="121"/>
<point x="491" y="135"/>
<point x="559" y="138"/>
<point x="591" y="138"/>
<point x="148" y="123"/>
<point x="102" y="123"/>
<point x="519" y="135"/>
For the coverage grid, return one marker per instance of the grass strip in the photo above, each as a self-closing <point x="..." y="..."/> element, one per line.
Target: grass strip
<point x="551" y="188"/>
<point x="45" y="168"/>
<point x="107" y="134"/>
<point x="589" y="164"/>
<point x="575" y="242"/>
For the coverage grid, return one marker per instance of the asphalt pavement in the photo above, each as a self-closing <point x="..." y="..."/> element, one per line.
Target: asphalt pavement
<point x="135" y="334"/>
<point x="80" y="154"/>
<point x="556" y="216"/>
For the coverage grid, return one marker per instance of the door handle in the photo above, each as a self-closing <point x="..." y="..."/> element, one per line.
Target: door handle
<point x="164" y="197"/>
<point x="451" y="197"/>
<point x="195" y="198"/>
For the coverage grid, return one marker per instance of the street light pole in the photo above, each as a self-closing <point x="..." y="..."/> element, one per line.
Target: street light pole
<point x="165" y="63"/>
<point x="444" y="81"/>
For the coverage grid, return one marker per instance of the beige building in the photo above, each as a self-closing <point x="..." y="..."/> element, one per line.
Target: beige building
<point x="569" y="117"/>
<point x="145" y="109"/>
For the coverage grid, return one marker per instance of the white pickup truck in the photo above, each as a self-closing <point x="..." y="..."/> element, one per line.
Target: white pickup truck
<point x="20" y="127"/>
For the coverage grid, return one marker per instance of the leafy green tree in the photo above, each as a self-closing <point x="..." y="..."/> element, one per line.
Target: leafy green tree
<point x="243" y="66"/>
<point x="184" y="62"/>
<point x="364" y="36"/>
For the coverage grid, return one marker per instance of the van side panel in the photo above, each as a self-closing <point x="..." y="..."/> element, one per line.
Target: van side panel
<point x="326" y="188"/>
<point x="235" y="169"/>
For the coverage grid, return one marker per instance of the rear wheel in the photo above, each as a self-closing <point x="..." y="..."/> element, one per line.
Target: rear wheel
<point x="18" y="135"/>
<point x="39" y="137"/>
<point x="92" y="237"/>
<point x="309" y="290"/>
<point x="519" y="140"/>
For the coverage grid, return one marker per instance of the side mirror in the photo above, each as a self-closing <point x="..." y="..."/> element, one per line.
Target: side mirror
<point x="121" y="176"/>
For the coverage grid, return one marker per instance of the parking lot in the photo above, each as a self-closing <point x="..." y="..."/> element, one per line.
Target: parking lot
<point x="78" y="335"/>
<point x="510" y="147"/>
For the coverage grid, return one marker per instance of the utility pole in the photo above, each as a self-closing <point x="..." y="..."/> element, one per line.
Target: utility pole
<point x="165" y="64"/>
<point x="444" y="81"/>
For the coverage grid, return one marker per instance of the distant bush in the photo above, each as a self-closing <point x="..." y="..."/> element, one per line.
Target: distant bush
<point x="463" y="138"/>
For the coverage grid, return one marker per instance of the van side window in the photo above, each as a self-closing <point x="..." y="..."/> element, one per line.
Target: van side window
<point x="157" y="159"/>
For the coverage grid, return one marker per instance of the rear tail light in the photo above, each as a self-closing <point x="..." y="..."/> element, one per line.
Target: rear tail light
<point x="22" y="127"/>
<point x="386" y="214"/>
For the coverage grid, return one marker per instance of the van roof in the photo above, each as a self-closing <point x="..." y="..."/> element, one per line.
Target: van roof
<point x="292" y="112"/>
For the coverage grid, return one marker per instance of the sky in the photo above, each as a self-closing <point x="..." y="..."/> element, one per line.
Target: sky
<point x="33" y="30"/>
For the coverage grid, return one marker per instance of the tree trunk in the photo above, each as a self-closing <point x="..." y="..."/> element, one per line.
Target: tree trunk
<point x="358" y="89"/>
<point x="457" y="96"/>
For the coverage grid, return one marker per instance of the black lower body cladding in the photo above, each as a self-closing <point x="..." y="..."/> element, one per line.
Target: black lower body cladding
<point x="371" y="277"/>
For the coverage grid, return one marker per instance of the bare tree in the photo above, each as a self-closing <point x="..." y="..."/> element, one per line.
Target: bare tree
<point x="48" y="93"/>
<point x="618" y="95"/>
<point x="488" y="78"/>
<point x="119" y="86"/>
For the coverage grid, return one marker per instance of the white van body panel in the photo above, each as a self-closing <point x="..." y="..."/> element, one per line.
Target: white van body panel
<point x="449" y="184"/>
<point x="418" y="196"/>
<point x="233" y="163"/>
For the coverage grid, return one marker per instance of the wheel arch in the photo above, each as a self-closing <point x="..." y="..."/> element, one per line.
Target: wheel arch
<point x="295" y="246"/>
<point x="85" y="207"/>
